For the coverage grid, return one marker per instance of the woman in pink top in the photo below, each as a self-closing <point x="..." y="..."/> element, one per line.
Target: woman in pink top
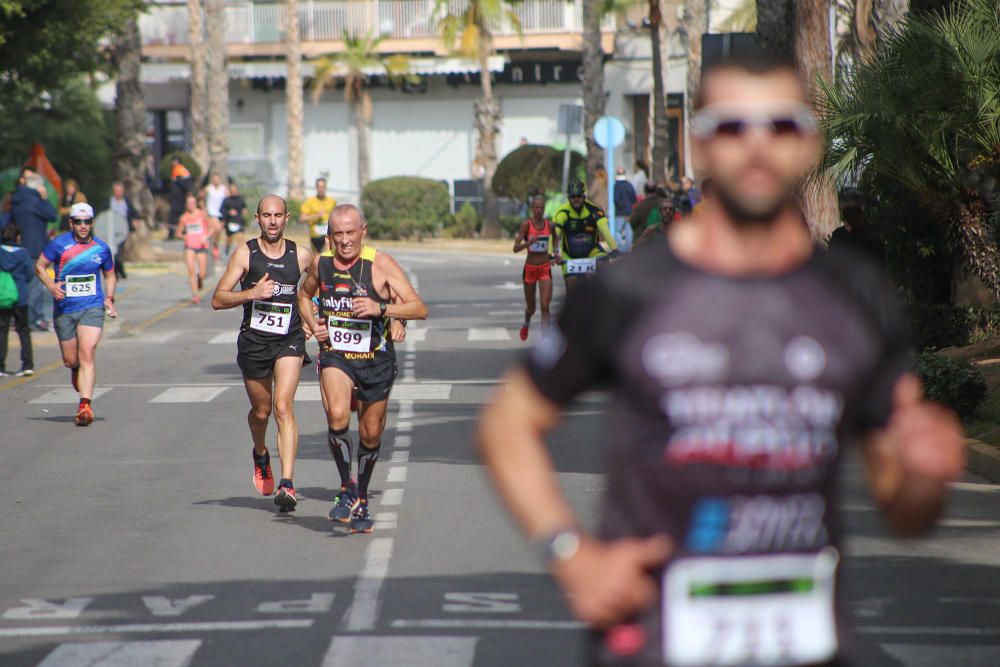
<point x="197" y="229"/>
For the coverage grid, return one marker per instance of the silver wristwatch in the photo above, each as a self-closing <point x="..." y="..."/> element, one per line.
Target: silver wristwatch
<point x="560" y="546"/>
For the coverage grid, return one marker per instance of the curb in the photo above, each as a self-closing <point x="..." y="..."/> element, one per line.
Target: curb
<point x="984" y="460"/>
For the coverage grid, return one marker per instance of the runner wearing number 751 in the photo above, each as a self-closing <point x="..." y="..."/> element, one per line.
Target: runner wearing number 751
<point x="271" y="341"/>
<point x="360" y="292"/>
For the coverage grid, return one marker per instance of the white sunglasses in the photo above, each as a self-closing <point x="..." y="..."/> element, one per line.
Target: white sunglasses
<point x="709" y="123"/>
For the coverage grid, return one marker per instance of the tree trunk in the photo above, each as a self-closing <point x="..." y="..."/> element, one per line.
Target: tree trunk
<point x="775" y="25"/>
<point x="593" y="82"/>
<point x="978" y="245"/>
<point x="813" y="54"/>
<point x="362" y="107"/>
<point x="218" y="89"/>
<point x="488" y="118"/>
<point x="695" y="25"/>
<point x="661" y="128"/>
<point x="293" y="94"/>
<point x="129" y="165"/>
<point x="196" y="57"/>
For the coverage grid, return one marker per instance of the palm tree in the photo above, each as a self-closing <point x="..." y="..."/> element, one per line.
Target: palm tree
<point x="218" y="88"/>
<point x="661" y="125"/>
<point x="922" y="116"/>
<point x="592" y="58"/>
<point x="695" y="25"/>
<point x="293" y="96"/>
<point x="354" y="64"/>
<point x="196" y="44"/>
<point x="472" y="27"/>
<point x="775" y="25"/>
<point x="873" y="20"/>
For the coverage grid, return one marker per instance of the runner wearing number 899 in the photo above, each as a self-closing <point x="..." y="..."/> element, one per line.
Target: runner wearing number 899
<point x="743" y="363"/>
<point x="271" y="340"/>
<point x="360" y="292"/>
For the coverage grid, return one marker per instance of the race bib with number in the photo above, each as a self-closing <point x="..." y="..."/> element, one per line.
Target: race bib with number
<point x="271" y="317"/>
<point x="771" y="610"/>
<point x="581" y="266"/>
<point x="234" y="227"/>
<point x="540" y="244"/>
<point x="349" y="335"/>
<point x="319" y="229"/>
<point x="194" y="228"/>
<point x="78" y="286"/>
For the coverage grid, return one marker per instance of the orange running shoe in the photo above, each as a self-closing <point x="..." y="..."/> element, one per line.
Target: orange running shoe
<point x="84" y="415"/>
<point x="263" y="480"/>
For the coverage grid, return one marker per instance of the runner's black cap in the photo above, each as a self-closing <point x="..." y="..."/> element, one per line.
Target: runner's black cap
<point x="575" y="188"/>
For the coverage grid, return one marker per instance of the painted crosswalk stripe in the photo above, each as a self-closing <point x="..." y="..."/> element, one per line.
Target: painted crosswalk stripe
<point x="488" y="334"/>
<point x="402" y="456"/>
<point x="225" y="338"/>
<point x="386" y="520"/>
<point x="923" y="655"/>
<point x="396" y="474"/>
<point x="67" y="395"/>
<point x="490" y="624"/>
<point x="162" y="653"/>
<point x="391" y="497"/>
<point x="406" y="390"/>
<point x="401" y="651"/>
<point x="154" y="628"/>
<point x="188" y="395"/>
<point x="416" y="335"/>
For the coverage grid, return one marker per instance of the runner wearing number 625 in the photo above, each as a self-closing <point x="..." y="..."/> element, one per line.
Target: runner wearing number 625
<point x="271" y="341"/>
<point x="360" y="292"/>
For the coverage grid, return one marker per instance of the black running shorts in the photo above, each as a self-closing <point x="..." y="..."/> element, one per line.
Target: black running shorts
<point x="256" y="357"/>
<point x="372" y="380"/>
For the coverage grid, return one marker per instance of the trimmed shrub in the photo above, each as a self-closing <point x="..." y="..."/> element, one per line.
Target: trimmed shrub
<point x="465" y="224"/>
<point x="403" y="207"/>
<point x="939" y="326"/>
<point x="187" y="160"/>
<point x="533" y="169"/>
<point x="953" y="382"/>
<point x="510" y="224"/>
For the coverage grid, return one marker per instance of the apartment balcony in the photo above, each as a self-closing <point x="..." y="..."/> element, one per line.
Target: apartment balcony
<point x="407" y="26"/>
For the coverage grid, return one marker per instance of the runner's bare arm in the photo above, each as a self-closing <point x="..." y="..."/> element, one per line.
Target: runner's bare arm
<point x="409" y="305"/>
<point x="42" y="271"/>
<point x="224" y="296"/>
<point x="606" y="582"/>
<point x="913" y="459"/>
<point x="110" y="285"/>
<point x="521" y="240"/>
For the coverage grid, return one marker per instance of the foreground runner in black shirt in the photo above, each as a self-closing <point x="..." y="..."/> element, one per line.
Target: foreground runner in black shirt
<point x="742" y="362"/>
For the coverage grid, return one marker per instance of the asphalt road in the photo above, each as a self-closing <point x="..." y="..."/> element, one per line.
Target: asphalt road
<point x="138" y="541"/>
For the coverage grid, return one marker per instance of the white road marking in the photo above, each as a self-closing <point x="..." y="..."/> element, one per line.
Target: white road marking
<point x="160" y="605"/>
<point x="408" y="390"/>
<point x="488" y="334"/>
<point x="401" y="651"/>
<point x="402" y="456"/>
<point x="37" y="609"/>
<point x="481" y="603"/>
<point x="409" y="363"/>
<point x="967" y="523"/>
<point x="153" y="628"/>
<point x="402" y="441"/>
<point x="318" y="603"/>
<point x="188" y="395"/>
<point x="68" y="395"/>
<point x="476" y="624"/>
<point x="162" y="653"/>
<point x="922" y="655"/>
<point x="386" y="520"/>
<point x="510" y="285"/>
<point x="153" y="336"/>
<point x="225" y="338"/>
<point x="397" y="475"/>
<point x="404" y="427"/>
<point x="414" y="336"/>
<point x="363" y="611"/>
<point x="391" y="497"/>
<point x="937" y="631"/>
<point x="505" y="313"/>
<point x="405" y="410"/>
<point x="871" y="607"/>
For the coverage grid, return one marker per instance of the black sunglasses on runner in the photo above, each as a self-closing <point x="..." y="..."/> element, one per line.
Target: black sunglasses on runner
<point x="82" y="221"/>
<point x="709" y="122"/>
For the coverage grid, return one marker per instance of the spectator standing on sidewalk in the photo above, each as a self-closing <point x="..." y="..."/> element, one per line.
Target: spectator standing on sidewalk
<point x="234" y="214"/>
<point x="640" y="176"/>
<point x="625" y="200"/>
<point x="71" y="195"/>
<point x="180" y="185"/>
<point x="214" y="194"/>
<point x="15" y="261"/>
<point x="598" y="191"/>
<point x="31" y="211"/>
<point x="123" y="206"/>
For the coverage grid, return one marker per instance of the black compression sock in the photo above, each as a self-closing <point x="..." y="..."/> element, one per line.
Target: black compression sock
<point x="366" y="464"/>
<point x="85" y="401"/>
<point x="285" y="482"/>
<point x="340" y="448"/>
<point x="263" y="458"/>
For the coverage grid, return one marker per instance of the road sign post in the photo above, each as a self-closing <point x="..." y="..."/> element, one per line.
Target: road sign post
<point x="609" y="132"/>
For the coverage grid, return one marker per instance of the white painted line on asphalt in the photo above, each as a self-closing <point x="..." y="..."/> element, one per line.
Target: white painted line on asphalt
<point x="391" y="497"/>
<point x="67" y="395"/>
<point x="363" y="612"/>
<point x="967" y="523"/>
<point x="402" y="456"/>
<point x="318" y="603"/>
<point x="225" y="338"/>
<point x="37" y="609"/>
<point x="153" y="628"/>
<point x="975" y="488"/>
<point x="153" y="336"/>
<point x="188" y="395"/>
<point x="405" y="410"/>
<point x="160" y="605"/>
<point x="404" y="427"/>
<point x="937" y="631"/>
<point x="421" y="391"/>
<point x="472" y="624"/>
<point x="402" y="441"/>
<point x="397" y="475"/>
<point x="409" y="364"/>
<point x="488" y="334"/>
<point x="510" y="285"/>
<point x="414" y="336"/>
<point x="408" y="375"/>
<point x="386" y="520"/>
<point x="923" y="655"/>
<point x="401" y="651"/>
<point x="162" y="653"/>
<point x="505" y="313"/>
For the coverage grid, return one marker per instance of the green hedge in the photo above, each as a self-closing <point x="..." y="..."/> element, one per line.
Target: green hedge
<point x="464" y="224"/>
<point x="939" y="326"/>
<point x="955" y="383"/>
<point x="532" y="169"/>
<point x="402" y="207"/>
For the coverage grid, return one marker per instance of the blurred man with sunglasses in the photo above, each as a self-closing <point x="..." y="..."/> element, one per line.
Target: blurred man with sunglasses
<point x="81" y="300"/>
<point x="743" y="362"/>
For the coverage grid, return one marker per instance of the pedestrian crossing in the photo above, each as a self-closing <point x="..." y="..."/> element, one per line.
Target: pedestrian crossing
<point x="443" y="336"/>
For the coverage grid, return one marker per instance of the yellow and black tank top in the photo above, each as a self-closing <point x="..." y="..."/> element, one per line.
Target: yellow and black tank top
<point x="360" y="340"/>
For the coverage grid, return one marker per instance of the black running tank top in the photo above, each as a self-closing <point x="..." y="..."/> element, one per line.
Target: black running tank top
<point x="278" y="316"/>
<point x="357" y="340"/>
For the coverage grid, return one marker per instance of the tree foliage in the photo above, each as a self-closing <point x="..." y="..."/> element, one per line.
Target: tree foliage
<point x="534" y="169"/>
